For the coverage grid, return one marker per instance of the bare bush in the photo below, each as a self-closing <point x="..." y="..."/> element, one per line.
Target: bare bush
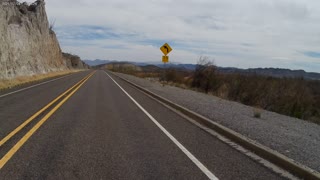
<point x="204" y="76"/>
<point x="51" y="26"/>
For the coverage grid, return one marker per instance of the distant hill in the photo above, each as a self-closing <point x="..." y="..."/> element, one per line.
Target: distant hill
<point x="97" y="62"/>
<point x="273" y="72"/>
<point x="119" y="66"/>
<point x="190" y="67"/>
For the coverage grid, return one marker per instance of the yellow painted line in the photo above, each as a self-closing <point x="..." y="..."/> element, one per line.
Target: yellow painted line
<point x="25" y="138"/>
<point x="14" y="132"/>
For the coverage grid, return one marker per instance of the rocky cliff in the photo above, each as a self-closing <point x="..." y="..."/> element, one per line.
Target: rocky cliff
<point x="74" y="61"/>
<point x="28" y="45"/>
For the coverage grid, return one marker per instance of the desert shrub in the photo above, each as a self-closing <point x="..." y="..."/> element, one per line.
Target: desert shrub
<point x="172" y="75"/>
<point x="204" y="76"/>
<point x="32" y="7"/>
<point x="143" y="74"/>
<point x="288" y="96"/>
<point x="51" y="26"/>
<point x="23" y="7"/>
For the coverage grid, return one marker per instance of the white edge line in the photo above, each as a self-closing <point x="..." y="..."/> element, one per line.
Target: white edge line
<point x="34" y="86"/>
<point x="204" y="169"/>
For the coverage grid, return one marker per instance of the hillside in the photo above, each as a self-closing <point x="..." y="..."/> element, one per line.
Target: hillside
<point x="96" y="62"/>
<point x="119" y="66"/>
<point x="28" y="45"/>
<point x="272" y="72"/>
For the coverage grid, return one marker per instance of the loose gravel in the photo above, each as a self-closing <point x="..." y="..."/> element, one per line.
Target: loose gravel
<point x="295" y="138"/>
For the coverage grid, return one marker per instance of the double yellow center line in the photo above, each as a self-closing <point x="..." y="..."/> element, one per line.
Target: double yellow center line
<point x="24" y="139"/>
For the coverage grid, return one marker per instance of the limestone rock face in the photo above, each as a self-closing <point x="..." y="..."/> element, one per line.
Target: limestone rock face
<point x="27" y="44"/>
<point x="74" y="61"/>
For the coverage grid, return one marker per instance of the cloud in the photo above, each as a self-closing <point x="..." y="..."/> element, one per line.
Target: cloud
<point x="312" y="54"/>
<point x="85" y="32"/>
<point x="242" y="33"/>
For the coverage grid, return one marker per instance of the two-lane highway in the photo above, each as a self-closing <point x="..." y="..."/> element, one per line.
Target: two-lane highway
<point x="107" y="129"/>
<point x="17" y="107"/>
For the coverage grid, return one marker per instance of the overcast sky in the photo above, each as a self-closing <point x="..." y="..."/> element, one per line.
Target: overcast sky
<point x="237" y="33"/>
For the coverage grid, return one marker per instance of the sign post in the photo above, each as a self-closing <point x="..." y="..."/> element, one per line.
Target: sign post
<point x="166" y="49"/>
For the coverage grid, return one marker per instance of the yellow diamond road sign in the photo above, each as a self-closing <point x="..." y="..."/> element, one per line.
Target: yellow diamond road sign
<point x="166" y="49"/>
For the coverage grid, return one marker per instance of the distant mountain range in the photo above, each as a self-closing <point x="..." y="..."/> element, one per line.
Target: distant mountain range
<point x="97" y="62"/>
<point x="273" y="72"/>
<point x="179" y="66"/>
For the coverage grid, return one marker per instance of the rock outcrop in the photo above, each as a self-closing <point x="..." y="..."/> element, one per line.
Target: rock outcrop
<point x="28" y="45"/>
<point x="74" y="61"/>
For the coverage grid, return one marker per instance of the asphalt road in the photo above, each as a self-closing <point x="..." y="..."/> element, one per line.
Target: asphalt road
<point x="101" y="133"/>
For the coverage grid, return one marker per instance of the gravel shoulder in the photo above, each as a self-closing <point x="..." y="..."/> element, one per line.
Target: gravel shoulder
<point x="295" y="138"/>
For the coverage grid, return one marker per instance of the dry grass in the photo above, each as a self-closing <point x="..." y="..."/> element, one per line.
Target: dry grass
<point x="21" y="80"/>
